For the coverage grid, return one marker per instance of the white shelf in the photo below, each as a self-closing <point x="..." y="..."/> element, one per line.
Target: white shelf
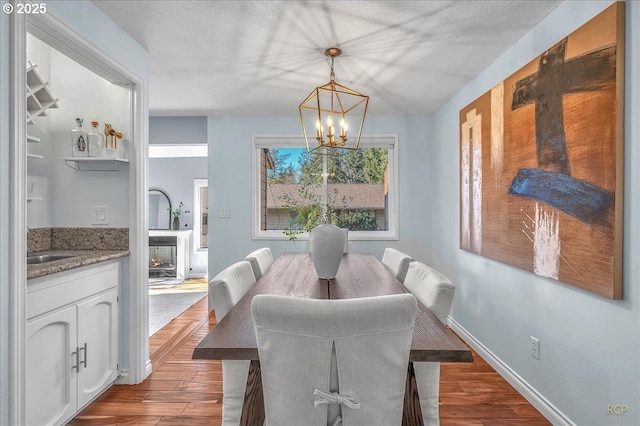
<point x="33" y="139"/>
<point x="34" y="199"/>
<point x="39" y="97"/>
<point x="29" y="155"/>
<point x="95" y="163"/>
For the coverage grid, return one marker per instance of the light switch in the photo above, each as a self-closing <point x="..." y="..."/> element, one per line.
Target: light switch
<point x="99" y="215"/>
<point x="224" y="212"/>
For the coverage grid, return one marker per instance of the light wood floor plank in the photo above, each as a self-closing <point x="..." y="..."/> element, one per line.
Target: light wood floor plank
<point x="186" y="392"/>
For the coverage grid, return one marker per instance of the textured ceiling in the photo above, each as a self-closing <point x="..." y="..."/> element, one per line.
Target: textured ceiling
<point x="264" y="57"/>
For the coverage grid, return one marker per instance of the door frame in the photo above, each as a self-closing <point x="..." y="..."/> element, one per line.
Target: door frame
<point x="134" y="330"/>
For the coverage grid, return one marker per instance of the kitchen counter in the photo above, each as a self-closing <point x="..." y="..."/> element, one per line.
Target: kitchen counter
<point x="81" y="258"/>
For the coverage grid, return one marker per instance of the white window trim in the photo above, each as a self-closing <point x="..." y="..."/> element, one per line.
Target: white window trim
<point x="390" y="141"/>
<point x="197" y="219"/>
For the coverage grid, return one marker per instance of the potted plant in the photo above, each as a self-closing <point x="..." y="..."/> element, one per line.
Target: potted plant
<point x="309" y="211"/>
<point x="176" y="215"/>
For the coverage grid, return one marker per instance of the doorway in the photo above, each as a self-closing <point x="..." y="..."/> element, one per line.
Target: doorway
<point x="179" y="171"/>
<point x="50" y="29"/>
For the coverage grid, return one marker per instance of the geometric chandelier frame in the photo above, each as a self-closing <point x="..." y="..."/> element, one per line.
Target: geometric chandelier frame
<point x="328" y="114"/>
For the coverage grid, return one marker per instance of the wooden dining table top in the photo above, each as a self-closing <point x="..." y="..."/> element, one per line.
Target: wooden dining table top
<point x="359" y="275"/>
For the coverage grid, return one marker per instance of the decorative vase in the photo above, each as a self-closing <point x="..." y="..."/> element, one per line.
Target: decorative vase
<point x="176" y="223"/>
<point x="326" y="244"/>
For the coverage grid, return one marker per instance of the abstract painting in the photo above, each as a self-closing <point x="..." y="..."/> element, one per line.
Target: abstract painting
<point x="541" y="158"/>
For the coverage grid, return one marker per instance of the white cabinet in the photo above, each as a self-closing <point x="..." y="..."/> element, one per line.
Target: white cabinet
<point x="72" y="340"/>
<point x="51" y="389"/>
<point x="97" y="345"/>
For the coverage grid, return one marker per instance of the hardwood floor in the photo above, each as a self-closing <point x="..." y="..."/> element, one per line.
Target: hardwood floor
<point x="184" y="392"/>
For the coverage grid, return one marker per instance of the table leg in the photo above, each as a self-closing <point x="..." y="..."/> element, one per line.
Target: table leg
<point x="411" y="413"/>
<point x="253" y="406"/>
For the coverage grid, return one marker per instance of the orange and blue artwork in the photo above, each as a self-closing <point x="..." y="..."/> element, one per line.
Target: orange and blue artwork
<point x="541" y="158"/>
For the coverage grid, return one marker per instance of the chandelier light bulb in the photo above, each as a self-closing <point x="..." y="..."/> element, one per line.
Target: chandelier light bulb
<point x="343" y="128"/>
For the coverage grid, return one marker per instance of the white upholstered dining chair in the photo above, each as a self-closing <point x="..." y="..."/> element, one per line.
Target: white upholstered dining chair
<point x="261" y="260"/>
<point x="327" y="361"/>
<point x="225" y="289"/>
<point x="435" y="291"/>
<point x="396" y="262"/>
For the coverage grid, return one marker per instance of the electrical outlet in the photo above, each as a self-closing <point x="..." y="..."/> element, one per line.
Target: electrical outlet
<point x="224" y="213"/>
<point x="99" y="215"/>
<point x="535" y="347"/>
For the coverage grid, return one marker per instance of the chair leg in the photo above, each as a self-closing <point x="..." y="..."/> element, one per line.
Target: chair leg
<point x="428" y="380"/>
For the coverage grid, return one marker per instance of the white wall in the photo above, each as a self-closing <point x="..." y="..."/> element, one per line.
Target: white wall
<point x="177" y="130"/>
<point x="68" y="194"/>
<point x="230" y="185"/>
<point x="175" y="175"/>
<point x="590" y="354"/>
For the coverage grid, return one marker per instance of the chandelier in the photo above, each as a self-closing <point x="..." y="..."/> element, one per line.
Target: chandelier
<point x="328" y="114"/>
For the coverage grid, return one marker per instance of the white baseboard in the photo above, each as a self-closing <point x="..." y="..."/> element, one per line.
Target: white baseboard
<point x="196" y="275"/>
<point x="124" y="378"/>
<point x="148" y="369"/>
<point x="125" y="375"/>
<point x="548" y="410"/>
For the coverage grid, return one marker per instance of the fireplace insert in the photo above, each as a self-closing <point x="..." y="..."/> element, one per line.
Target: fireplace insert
<point x="163" y="256"/>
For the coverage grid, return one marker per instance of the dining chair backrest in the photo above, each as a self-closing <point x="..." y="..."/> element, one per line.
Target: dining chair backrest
<point x="225" y="290"/>
<point x="325" y="359"/>
<point x="397" y="262"/>
<point x="432" y="289"/>
<point x="435" y="291"/>
<point x="261" y="260"/>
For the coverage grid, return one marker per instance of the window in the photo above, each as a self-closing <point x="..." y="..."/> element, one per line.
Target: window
<point x="200" y="214"/>
<point x="359" y="188"/>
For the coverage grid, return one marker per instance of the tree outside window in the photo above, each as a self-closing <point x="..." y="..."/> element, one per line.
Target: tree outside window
<point x="298" y="189"/>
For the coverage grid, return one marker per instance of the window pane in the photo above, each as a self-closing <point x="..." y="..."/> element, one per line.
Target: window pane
<point x="200" y="214"/>
<point x="292" y="192"/>
<point x="204" y="217"/>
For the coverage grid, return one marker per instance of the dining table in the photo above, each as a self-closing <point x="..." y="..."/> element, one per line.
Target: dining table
<point x="359" y="275"/>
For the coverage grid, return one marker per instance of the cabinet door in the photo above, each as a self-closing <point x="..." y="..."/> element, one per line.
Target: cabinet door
<point x="98" y="320"/>
<point x="51" y="368"/>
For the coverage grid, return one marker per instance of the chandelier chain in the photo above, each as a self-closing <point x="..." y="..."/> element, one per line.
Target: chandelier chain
<point x="332" y="75"/>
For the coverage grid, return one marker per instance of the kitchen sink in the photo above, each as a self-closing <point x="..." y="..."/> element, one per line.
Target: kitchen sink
<point x="44" y="258"/>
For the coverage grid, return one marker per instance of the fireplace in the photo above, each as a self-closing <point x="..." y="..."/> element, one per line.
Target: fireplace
<point x="163" y="253"/>
<point x="169" y="254"/>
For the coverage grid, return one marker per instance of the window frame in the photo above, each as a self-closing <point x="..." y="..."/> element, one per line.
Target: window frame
<point x="390" y="141"/>
<point x="197" y="218"/>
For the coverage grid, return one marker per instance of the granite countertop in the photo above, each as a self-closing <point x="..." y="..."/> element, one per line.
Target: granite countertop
<point x="81" y="258"/>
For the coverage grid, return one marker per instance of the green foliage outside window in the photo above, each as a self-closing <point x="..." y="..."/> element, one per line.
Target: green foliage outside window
<point x="363" y="166"/>
<point x="309" y="212"/>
